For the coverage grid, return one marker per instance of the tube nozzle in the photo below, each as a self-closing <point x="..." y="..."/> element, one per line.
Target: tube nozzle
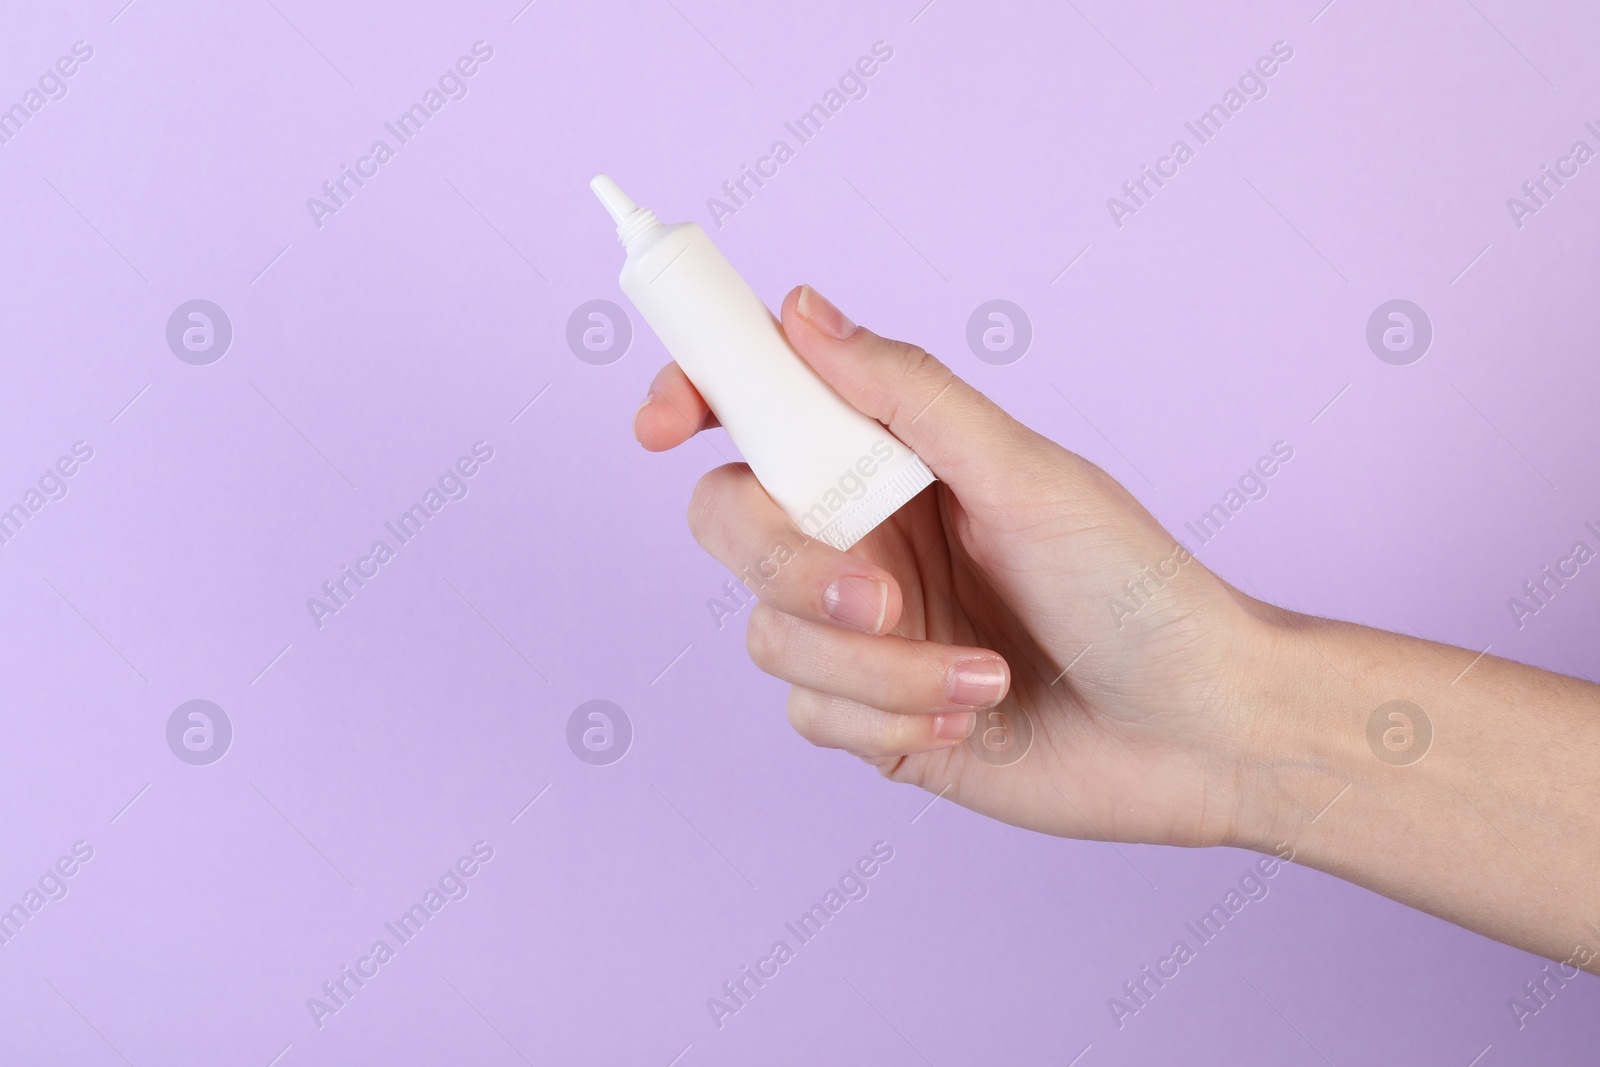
<point x="611" y="195"/>
<point x="632" y="220"/>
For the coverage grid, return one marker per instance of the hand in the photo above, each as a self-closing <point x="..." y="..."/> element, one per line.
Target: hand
<point x="1025" y="591"/>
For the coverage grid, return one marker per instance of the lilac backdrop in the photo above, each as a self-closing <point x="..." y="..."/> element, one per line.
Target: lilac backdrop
<point x="1226" y="313"/>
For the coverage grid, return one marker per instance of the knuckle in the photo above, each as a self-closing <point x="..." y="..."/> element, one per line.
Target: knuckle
<point x="763" y="637"/>
<point x="702" y="508"/>
<point x="916" y="361"/>
<point x="923" y="365"/>
<point x="706" y="513"/>
<point x="891" y="767"/>
<point x="900" y="732"/>
<point x="801" y="710"/>
<point x="921" y="374"/>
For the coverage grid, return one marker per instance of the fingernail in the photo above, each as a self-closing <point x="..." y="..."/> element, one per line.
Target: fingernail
<point x="823" y="315"/>
<point x="977" y="683"/>
<point x="954" y="726"/>
<point x="859" y="603"/>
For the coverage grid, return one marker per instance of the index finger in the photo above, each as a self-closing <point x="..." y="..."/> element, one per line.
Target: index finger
<point x="673" y="411"/>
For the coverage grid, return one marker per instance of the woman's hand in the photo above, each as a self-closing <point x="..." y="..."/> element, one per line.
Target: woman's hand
<point x="1022" y="638"/>
<point x="1026" y="640"/>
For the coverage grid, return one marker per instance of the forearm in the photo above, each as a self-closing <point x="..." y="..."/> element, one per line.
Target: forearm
<point x="1492" y="823"/>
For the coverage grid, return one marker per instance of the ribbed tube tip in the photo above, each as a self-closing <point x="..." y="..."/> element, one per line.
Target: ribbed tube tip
<point x="631" y="219"/>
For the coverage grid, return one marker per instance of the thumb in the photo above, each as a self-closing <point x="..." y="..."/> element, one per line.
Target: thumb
<point x="962" y="435"/>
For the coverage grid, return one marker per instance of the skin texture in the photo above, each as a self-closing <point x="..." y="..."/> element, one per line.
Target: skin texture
<point x="1027" y="591"/>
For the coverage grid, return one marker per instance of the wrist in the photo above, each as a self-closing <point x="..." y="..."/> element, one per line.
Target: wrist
<point x="1303" y="701"/>
<point x="1450" y="781"/>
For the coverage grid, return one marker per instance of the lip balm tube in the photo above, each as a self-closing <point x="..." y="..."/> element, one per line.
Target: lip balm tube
<point x="834" y="471"/>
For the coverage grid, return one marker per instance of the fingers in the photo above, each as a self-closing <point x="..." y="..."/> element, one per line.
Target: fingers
<point x="734" y="519"/>
<point x="834" y="722"/>
<point x="891" y="673"/>
<point x="819" y="627"/>
<point x="960" y="433"/>
<point x="672" y="412"/>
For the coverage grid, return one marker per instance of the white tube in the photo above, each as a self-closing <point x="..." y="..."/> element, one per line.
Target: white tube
<point x="834" y="471"/>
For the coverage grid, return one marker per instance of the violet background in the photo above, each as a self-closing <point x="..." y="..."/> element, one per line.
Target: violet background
<point x="427" y="313"/>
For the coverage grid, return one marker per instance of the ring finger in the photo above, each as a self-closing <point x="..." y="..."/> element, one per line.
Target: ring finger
<point x="891" y="672"/>
<point x="830" y="721"/>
